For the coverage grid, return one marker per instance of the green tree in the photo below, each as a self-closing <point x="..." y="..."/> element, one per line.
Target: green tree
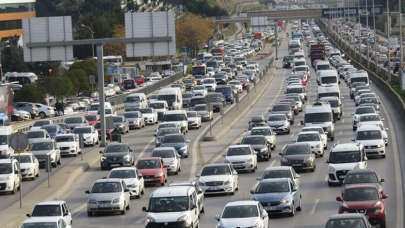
<point x="60" y="87"/>
<point x="79" y="80"/>
<point x="30" y="93"/>
<point x="12" y="59"/>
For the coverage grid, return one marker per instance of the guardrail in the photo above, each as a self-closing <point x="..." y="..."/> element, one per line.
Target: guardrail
<point x="116" y="101"/>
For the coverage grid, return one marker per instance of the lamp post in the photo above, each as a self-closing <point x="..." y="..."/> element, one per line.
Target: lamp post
<point x="91" y="34"/>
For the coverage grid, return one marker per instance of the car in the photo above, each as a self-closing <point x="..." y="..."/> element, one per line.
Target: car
<point x="280" y="172"/>
<point x="28" y="107"/>
<point x="216" y="100"/>
<point x="342" y="159"/>
<point x="116" y="154"/>
<point x="236" y="85"/>
<point x="37" y="135"/>
<point x="108" y="195"/>
<point x="314" y="139"/>
<point x="256" y="121"/>
<point x="120" y="124"/>
<point x="242" y="157"/>
<point x="352" y="220"/>
<point x="322" y="133"/>
<point x="246" y="213"/>
<point x="299" y="156"/>
<point x="260" y="144"/>
<point x="68" y="144"/>
<point x="10" y="176"/>
<point x="29" y="165"/>
<point x="365" y="199"/>
<point x="167" y="125"/>
<point x="320" y="114"/>
<point x="362" y="110"/>
<point x="228" y="91"/>
<point x="204" y="112"/>
<point x="54" y="222"/>
<point x="279" y="123"/>
<point x="218" y="178"/>
<point x="72" y="122"/>
<point x="170" y="157"/>
<point x="165" y="131"/>
<point x="200" y="193"/>
<point x="266" y="132"/>
<point x="178" y="141"/>
<point x="278" y="196"/>
<point x="135" y="119"/>
<point x="175" y="206"/>
<point x="283" y="109"/>
<point x="132" y="178"/>
<point x="89" y="134"/>
<point x="160" y="107"/>
<point x="152" y="170"/>
<point x="45" y="111"/>
<point x="194" y="120"/>
<point x="46" y="152"/>
<point x="149" y="115"/>
<point x="56" y="209"/>
<point x="336" y="105"/>
<point x="371" y="136"/>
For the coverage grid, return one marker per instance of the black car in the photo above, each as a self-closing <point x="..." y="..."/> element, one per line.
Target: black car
<point x="227" y="91"/>
<point x="287" y="61"/>
<point x="217" y="100"/>
<point x="299" y="156"/>
<point x="117" y="154"/>
<point x="364" y="176"/>
<point x="257" y="121"/>
<point x="260" y="144"/>
<point x="283" y="109"/>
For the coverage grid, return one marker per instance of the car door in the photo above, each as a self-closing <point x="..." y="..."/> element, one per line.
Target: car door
<point x="195" y="211"/>
<point x="66" y="214"/>
<point x="234" y="176"/>
<point x="295" y="191"/>
<point x="264" y="217"/>
<point x="126" y="193"/>
<point x="17" y="173"/>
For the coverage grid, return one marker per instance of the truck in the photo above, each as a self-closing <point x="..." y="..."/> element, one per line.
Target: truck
<point x="219" y="51"/>
<point x="317" y="52"/>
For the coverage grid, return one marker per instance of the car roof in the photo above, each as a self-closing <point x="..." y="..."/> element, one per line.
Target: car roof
<point x="368" y="127"/>
<point x="171" y="191"/>
<point x="363" y="185"/>
<point x="308" y="132"/>
<point x="164" y="148"/>
<point x="6" y="160"/>
<point x="345" y="147"/>
<point x="238" y="146"/>
<point x="347" y="215"/>
<point x="54" y="202"/>
<point x="66" y="134"/>
<point x="242" y="202"/>
<point x="217" y="164"/>
<point x="124" y="168"/>
<point x="270" y="168"/>
<point x="261" y="127"/>
<point x="354" y="171"/>
<point x="283" y="179"/>
<point x="108" y="180"/>
<point x="42" y="219"/>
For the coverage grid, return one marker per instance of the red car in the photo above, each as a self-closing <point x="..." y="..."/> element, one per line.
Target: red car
<point x="140" y="79"/>
<point x="365" y="199"/>
<point x="152" y="170"/>
<point x="92" y="119"/>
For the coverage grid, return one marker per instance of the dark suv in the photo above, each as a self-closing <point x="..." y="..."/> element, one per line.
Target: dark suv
<point x="117" y="154"/>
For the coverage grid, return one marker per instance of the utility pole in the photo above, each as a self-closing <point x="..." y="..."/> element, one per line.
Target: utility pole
<point x="375" y="31"/>
<point x="368" y="33"/>
<point x="388" y="35"/>
<point x="401" y="67"/>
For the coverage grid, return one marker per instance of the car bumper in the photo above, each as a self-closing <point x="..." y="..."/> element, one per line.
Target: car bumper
<point x="154" y="180"/>
<point x="68" y="152"/>
<point x="134" y="125"/>
<point x="134" y="191"/>
<point x="279" y="209"/>
<point x="374" y="151"/>
<point x="212" y="190"/>
<point x="299" y="166"/>
<point x="193" y="125"/>
<point x="280" y="130"/>
<point x="149" y="121"/>
<point x="108" y="207"/>
<point x="28" y="173"/>
<point x="6" y="187"/>
<point x="110" y="164"/>
<point x="167" y="225"/>
<point x="243" y="166"/>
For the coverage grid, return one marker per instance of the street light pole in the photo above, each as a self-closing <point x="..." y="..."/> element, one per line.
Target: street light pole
<point x="91" y="34"/>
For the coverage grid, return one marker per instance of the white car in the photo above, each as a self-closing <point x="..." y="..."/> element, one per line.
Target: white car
<point x="371" y="136"/>
<point x="199" y="90"/>
<point x="39" y="123"/>
<point x="45" y="111"/>
<point x="52" y="209"/>
<point x="37" y="135"/>
<point x="46" y="151"/>
<point x="90" y="135"/>
<point x="135" y="119"/>
<point x="322" y="133"/>
<point x="210" y="83"/>
<point x="193" y="119"/>
<point x="362" y="110"/>
<point x="149" y="115"/>
<point x="171" y="159"/>
<point x="21" y="114"/>
<point x="344" y="158"/>
<point x="68" y="144"/>
<point x="218" y="178"/>
<point x="54" y="222"/>
<point x="248" y="213"/>
<point x="236" y="85"/>
<point x="314" y="139"/>
<point x="266" y="132"/>
<point x="10" y="176"/>
<point x="280" y="172"/>
<point x="29" y="165"/>
<point x="242" y="157"/>
<point x="134" y="181"/>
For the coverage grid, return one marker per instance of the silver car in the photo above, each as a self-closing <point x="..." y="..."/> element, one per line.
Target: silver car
<point x="108" y="195"/>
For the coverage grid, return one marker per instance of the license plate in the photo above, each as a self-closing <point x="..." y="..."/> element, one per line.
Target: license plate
<point x="296" y="165"/>
<point x="342" y="177"/>
<point x="213" y="188"/>
<point x="104" y="205"/>
<point x="238" y="166"/>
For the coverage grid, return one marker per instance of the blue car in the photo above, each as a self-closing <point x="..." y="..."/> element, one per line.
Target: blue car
<point x="178" y="141"/>
<point x="278" y="196"/>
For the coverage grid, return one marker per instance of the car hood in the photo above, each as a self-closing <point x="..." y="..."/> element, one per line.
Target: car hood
<point x="104" y="196"/>
<point x="239" y="222"/>
<point x="360" y="204"/>
<point x="258" y="146"/>
<point x="167" y="216"/>
<point x="297" y="157"/>
<point x="323" y="125"/>
<point x="167" y="160"/>
<point x="276" y="123"/>
<point x="148" y="114"/>
<point x="26" y="165"/>
<point x="214" y="178"/>
<point x="133" y="119"/>
<point x="65" y="144"/>
<point x="121" y="154"/>
<point x="42" y="152"/>
<point x="175" y="145"/>
<point x="193" y="119"/>
<point x="345" y="166"/>
<point x="4" y="148"/>
<point x="4" y="176"/>
<point x="131" y="181"/>
<point x="149" y="172"/>
<point x="238" y="158"/>
<point x="270" y="197"/>
<point x="370" y="142"/>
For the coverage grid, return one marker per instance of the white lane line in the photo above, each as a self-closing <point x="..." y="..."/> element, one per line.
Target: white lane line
<point x="145" y="149"/>
<point x="315" y="206"/>
<point x="273" y="163"/>
<point x="78" y="209"/>
<point x="343" y="120"/>
<point x="326" y="178"/>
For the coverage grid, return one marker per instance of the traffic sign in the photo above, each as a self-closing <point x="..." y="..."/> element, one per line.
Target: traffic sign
<point x="19" y="141"/>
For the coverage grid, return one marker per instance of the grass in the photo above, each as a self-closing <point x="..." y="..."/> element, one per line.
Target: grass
<point x="398" y="89"/>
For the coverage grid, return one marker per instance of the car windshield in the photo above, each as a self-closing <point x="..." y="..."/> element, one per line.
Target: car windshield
<point x="281" y="108"/>
<point x="46" y="210"/>
<point x="148" y="164"/>
<point x="122" y="174"/>
<point x="166" y="131"/>
<point x="346" y="223"/>
<point x="277" y="118"/>
<point x="297" y="149"/>
<point x="238" y="151"/>
<point x="118" y="119"/>
<point x="50" y="128"/>
<point x="295" y="90"/>
<point x="65" y="138"/>
<point x="327" y="80"/>
<point x="360" y="194"/>
<point x="323" y="67"/>
<point x="5" y="168"/>
<point x="23" y="158"/>
<point x="146" y="110"/>
<point x="192" y="114"/>
<point x="40" y="123"/>
<point x="320" y="130"/>
<point x="345" y="157"/>
<point x="240" y="211"/>
<point x="359" y="79"/>
<point x="333" y="103"/>
<point x="201" y="108"/>
<point x="106" y="187"/>
<point x="365" y="110"/>
<point x="308" y="137"/>
<point x="366" y="118"/>
<point x="368" y="135"/>
<point x="178" y="138"/>
<point x="174" y="117"/>
<point x="35" y="134"/>
<point x="234" y="83"/>
<point x="367" y="100"/>
<point x="131" y="114"/>
<point x="319" y="117"/>
<point x="82" y="130"/>
<point x="361" y="178"/>
<point x="168" y="204"/>
<point x="273" y="187"/>
<point x="167" y="125"/>
<point x="40" y="225"/>
<point x="260" y="131"/>
<point x="73" y="120"/>
<point x="42" y="146"/>
<point x="328" y="94"/>
<point x="254" y="140"/>
<point x="277" y="174"/>
<point x="116" y="148"/>
<point x="132" y="99"/>
<point x="157" y="105"/>
<point x="215" y="170"/>
<point x="300" y="68"/>
<point x="91" y="117"/>
<point x="163" y="153"/>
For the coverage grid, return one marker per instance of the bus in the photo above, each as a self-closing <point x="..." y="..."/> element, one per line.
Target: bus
<point x="22" y="78"/>
<point x="116" y="60"/>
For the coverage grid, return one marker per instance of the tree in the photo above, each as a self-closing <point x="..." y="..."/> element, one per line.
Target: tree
<point x="116" y="49"/>
<point x="60" y="87"/>
<point x="30" y="93"/>
<point x="193" y="31"/>
<point x="12" y="59"/>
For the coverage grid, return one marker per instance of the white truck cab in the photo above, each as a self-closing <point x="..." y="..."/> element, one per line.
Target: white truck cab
<point x="320" y="114"/>
<point x="178" y="117"/>
<point x="10" y="175"/>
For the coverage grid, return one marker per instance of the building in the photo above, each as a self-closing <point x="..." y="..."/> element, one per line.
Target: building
<point x="11" y="14"/>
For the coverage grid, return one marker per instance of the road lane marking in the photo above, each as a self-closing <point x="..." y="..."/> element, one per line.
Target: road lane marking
<point x="315" y="206"/>
<point x="145" y="149"/>
<point x="78" y="209"/>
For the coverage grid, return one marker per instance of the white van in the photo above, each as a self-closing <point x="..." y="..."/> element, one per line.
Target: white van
<point x="178" y="117"/>
<point x="328" y="91"/>
<point x="5" y="134"/>
<point x="361" y="76"/>
<point x="94" y="108"/>
<point x="136" y="100"/>
<point x="322" y="65"/>
<point x="173" y="205"/>
<point x="320" y="114"/>
<point x="172" y="96"/>
<point x="326" y="77"/>
<point x="10" y="177"/>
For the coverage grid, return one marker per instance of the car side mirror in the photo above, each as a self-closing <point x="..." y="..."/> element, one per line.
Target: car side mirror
<point x="353" y="140"/>
<point x="382" y="180"/>
<point x="144" y="209"/>
<point x="126" y="190"/>
<point x="101" y="152"/>
<point x="281" y="154"/>
<point x="339" y="199"/>
<point x="66" y="214"/>
<point x="217" y="217"/>
<point x="302" y="122"/>
<point x="252" y="191"/>
<point x="384" y="196"/>
<point x="28" y="215"/>
<point x="87" y="192"/>
<point x="234" y="172"/>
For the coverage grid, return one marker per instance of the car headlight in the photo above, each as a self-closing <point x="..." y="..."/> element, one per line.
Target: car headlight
<point x="159" y="174"/>
<point x="380" y="145"/>
<point x="184" y="218"/>
<point x="331" y="169"/>
<point x="183" y="148"/>
<point x="92" y="201"/>
<point x="285" y="201"/>
<point x="127" y="157"/>
<point x="102" y="158"/>
<point x="249" y="160"/>
<point x="227" y="182"/>
<point x="117" y="200"/>
<point x="308" y="160"/>
<point x="150" y="219"/>
<point x="264" y="149"/>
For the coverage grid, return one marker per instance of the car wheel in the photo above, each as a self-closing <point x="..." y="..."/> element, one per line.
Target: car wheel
<point x="42" y="115"/>
<point x="59" y="162"/>
<point x="382" y="224"/>
<point x="54" y="165"/>
<point x="292" y="214"/>
<point x="299" y="208"/>
<point x="123" y="211"/>
<point x="127" y="208"/>
<point x="14" y="189"/>
<point x="90" y="214"/>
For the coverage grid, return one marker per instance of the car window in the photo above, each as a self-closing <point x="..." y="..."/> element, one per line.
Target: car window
<point x="240" y="211"/>
<point x="46" y="210"/>
<point x="346" y="223"/>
